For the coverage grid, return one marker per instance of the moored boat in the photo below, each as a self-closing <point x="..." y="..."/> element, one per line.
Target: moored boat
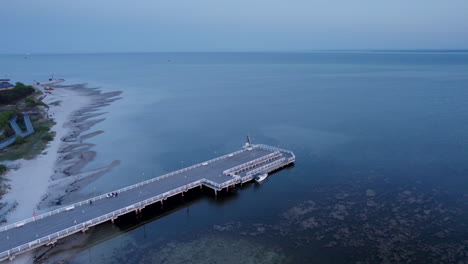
<point x="260" y="177"/>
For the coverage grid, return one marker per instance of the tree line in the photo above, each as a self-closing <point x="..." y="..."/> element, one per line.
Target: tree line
<point x="12" y="95"/>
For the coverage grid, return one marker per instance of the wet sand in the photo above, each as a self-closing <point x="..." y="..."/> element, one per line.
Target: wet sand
<point x="47" y="181"/>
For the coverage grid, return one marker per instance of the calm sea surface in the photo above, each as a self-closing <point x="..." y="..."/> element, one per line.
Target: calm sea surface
<point x="381" y="141"/>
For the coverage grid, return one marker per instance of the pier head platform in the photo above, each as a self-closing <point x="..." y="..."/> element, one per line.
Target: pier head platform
<point x="217" y="174"/>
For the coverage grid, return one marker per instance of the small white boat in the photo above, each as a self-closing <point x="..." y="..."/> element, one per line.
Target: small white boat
<point x="261" y="177"/>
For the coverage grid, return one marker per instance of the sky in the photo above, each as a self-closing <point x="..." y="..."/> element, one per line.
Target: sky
<point x="89" y="26"/>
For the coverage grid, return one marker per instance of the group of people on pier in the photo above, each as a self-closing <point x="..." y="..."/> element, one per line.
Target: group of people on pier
<point x="113" y="194"/>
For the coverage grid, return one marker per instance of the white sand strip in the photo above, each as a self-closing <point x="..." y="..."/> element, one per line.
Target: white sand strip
<point x="30" y="182"/>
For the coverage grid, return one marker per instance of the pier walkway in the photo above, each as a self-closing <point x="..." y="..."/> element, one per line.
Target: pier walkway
<point x="218" y="174"/>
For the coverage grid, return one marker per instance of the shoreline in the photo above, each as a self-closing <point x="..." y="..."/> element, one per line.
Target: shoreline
<point x="47" y="181"/>
<point x="74" y="152"/>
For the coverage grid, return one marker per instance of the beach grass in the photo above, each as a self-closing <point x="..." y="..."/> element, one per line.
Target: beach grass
<point x="32" y="145"/>
<point x="3" y="185"/>
<point x="5" y="117"/>
<point x="3" y="169"/>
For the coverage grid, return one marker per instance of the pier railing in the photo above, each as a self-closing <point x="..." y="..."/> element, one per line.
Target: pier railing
<point x="72" y="206"/>
<point x="275" y="160"/>
<point x="292" y="158"/>
<point x="106" y="195"/>
<point x="220" y="186"/>
<point x="266" y="167"/>
<point x="68" y="207"/>
<point x="246" y="166"/>
<point x="86" y="224"/>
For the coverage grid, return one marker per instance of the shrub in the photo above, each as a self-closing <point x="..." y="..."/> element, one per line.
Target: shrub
<point x="20" y="140"/>
<point x="3" y="168"/>
<point x="43" y="129"/>
<point x="48" y="137"/>
<point x="12" y="95"/>
<point x="8" y="132"/>
<point x="5" y="117"/>
<point x="31" y="102"/>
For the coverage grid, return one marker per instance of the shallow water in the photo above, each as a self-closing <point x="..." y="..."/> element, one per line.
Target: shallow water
<point x="380" y="138"/>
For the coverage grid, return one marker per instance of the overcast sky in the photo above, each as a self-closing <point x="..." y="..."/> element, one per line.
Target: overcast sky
<point x="237" y="25"/>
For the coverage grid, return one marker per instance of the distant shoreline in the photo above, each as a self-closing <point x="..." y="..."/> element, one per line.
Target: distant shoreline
<point x="420" y="50"/>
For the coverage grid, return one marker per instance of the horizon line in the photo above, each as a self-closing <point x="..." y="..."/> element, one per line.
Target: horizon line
<point x="238" y="51"/>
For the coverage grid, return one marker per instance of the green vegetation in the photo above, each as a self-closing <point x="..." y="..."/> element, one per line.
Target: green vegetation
<point x="7" y="132"/>
<point x="23" y="97"/>
<point x="56" y="103"/>
<point x="3" y="185"/>
<point x="49" y="136"/>
<point x="34" y="144"/>
<point x="18" y="92"/>
<point x="5" y="117"/>
<point x="20" y="140"/>
<point x="3" y="169"/>
<point x="31" y="102"/>
<point x="42" y="128"/>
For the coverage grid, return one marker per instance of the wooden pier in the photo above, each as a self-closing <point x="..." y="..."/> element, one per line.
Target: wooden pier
<point x="219" y="173"/>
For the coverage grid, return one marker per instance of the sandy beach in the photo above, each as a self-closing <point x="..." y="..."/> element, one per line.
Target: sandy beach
<point x="30" y="182"/>
<point x="48" y="180"/>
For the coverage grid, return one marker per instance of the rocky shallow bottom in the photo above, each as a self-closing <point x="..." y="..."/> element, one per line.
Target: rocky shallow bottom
<point x="371" y="223"/>
<point x="216" y="249"/>
<point x="362" y="221"/>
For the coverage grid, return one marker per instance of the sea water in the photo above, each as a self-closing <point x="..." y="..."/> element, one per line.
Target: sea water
<point x="380" y="140"/>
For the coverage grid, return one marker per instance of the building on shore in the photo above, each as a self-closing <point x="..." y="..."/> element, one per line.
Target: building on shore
<point x="5" y="84"/>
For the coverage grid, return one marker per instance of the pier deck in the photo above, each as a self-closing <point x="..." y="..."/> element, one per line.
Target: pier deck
<point x="217" y="174"/>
